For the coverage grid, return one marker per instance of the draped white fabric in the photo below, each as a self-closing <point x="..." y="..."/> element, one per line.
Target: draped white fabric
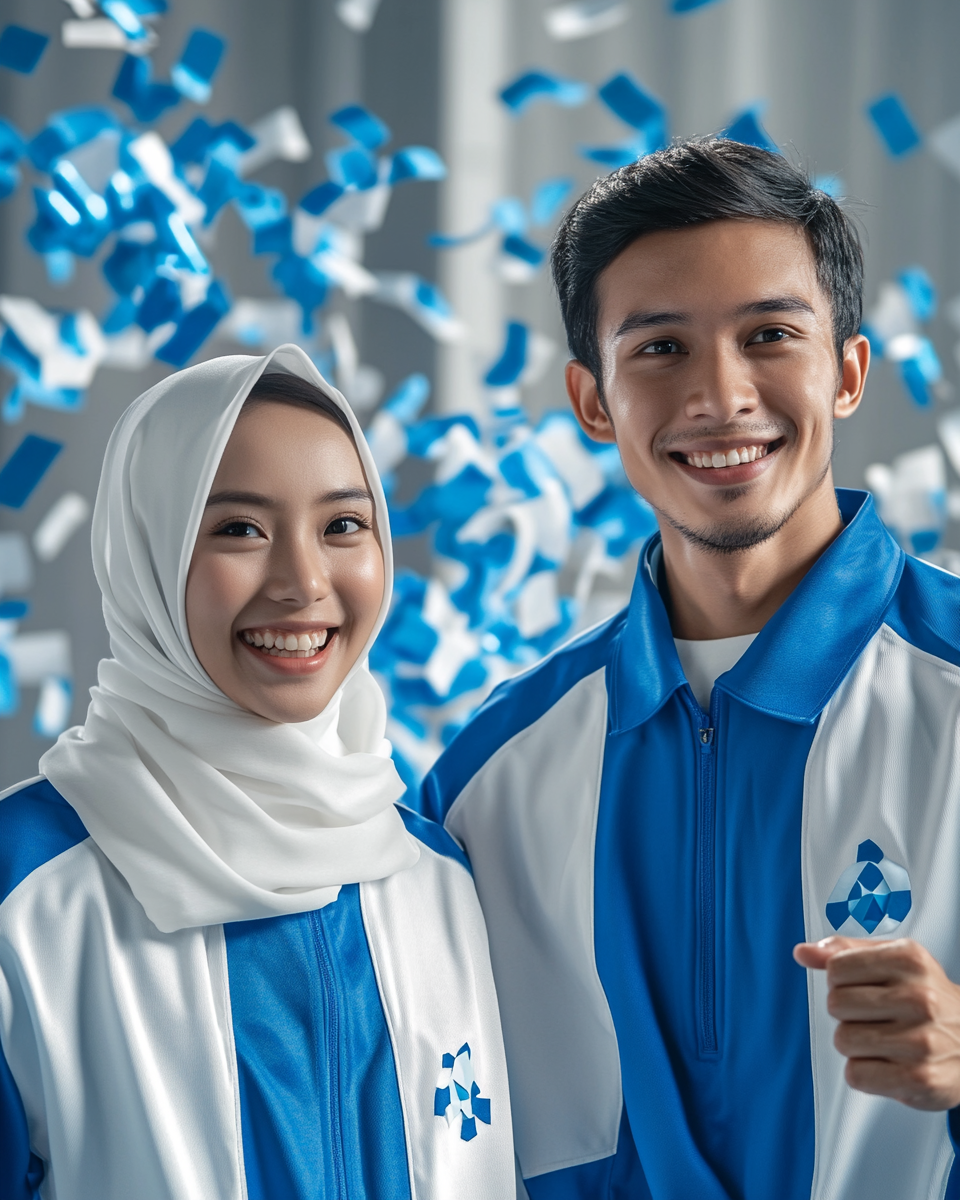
<point x="210" y="812"/>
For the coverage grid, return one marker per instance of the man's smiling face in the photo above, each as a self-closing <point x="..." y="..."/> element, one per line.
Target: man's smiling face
<point x="720" y="377"/>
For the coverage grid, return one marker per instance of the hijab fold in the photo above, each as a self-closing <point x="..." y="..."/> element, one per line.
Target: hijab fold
<point x="210" y="812"/>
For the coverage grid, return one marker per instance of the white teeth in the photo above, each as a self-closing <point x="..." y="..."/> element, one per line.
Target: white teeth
<point x="730" y="458"/>
<point x="287" y="645"/>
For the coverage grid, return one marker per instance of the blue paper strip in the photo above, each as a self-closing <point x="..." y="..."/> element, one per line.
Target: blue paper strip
<point x="746" y="128"/>
<point x="195" y="327"/>
<point x="920" y="290"/>
<point x="197" y="66"/>
<point x="352" y="166"/>
<point x="319" y="199"/>
<point x="416" y="162"/>
<point x="362" y="125"/>
<point x="24" y="469"/>
<point x="21" y="49"/>
<point x="540" y="85"/>
<point x="627" y="100"/>
<point x="508" y="367"/>
<point x="548" y="198"/>
<point x="146" y="100"/>
<point x="898" y="132"/>
<point x="685" y="6"/>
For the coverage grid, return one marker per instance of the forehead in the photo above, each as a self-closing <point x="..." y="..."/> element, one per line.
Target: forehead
<point x="287" y="441"/>
<point x="708" y="269"/>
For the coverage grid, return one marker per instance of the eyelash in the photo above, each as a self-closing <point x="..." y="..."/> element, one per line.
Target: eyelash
<point x="221" y="529"/>
<point x="648" y="348"/>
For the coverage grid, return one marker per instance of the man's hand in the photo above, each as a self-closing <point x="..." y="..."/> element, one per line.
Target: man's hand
<point x="899" y="1018"/>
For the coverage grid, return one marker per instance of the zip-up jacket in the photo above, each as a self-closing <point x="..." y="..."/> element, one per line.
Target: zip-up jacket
<point x="645" y="869"/>
<point x="350" y="1053"/>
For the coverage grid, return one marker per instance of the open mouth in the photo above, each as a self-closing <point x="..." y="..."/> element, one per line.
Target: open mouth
<point x="281" y="643"/>
<point x="712" y="460"/>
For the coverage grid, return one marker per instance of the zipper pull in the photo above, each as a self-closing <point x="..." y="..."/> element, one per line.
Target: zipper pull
<point x="706" y="737"/>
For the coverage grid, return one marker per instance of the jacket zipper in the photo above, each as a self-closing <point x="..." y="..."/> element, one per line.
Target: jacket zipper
<point x="706" y="885"/>
<point x="332" y="1024"/>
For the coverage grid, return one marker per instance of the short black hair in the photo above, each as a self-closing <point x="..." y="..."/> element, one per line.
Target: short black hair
<point x="691" y="183"/>
<point x="279" y="387"/>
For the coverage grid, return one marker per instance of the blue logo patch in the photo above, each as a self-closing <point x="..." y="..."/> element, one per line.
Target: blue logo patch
<point x="874" y="892"/>
<point x="458" y="1095"/>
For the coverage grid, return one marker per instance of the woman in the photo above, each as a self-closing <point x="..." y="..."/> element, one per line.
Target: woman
<point x="230" y="966"/>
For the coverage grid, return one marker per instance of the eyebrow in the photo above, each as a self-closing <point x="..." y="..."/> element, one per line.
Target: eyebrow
<point x="256" y="500"/>
<point x="754" y="308"/>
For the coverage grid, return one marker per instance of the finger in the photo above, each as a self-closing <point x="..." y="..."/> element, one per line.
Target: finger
<point x="881" y="962"/>
<point x="891" y="1041"/>
<point x="920" y="1086"/>
<point x="818" y="954"/>
<point x="909" y="1004"/>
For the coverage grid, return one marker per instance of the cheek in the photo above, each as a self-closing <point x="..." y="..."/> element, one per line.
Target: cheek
<point x="218" y="586"/>
<point x="361" y="587"/>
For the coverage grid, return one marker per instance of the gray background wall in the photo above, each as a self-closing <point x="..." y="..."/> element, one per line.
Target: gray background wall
<point x="816" y="64"/>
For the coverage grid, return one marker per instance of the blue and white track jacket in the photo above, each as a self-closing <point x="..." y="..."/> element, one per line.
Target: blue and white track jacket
<point x="351" y="1053"/>
<point x="645" y="869"/>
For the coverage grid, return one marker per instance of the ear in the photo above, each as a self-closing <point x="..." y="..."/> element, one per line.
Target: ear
<point x="588" y="408"/>
<point x="853" y="376"/>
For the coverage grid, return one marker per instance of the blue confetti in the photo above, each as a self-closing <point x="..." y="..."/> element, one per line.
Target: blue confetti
<point x="9" y="697"/>
<point x="25" y="467"/>
<point x="146" y="100"/>
<point x="920" y="291"/>
<point x="685" y="6"/>
<point x="127" y="13"/>
<point x="548" y="198"/>
<point x="21" y="49"/>
<point x="319" y="199"/>
<point x="831" y="184"/>
<point x="352" y="166"/>
<point x="192" y="75"/>
<point x="13" y="610"/>
<point x="627" y="100"/>
<point x="898" y="132"/>
<point x="195" y="327"/>
<point x="746" y="128"/>
<point x="509" y="366"/>
<point x="540" y="85"/>
<point x="407" y="400"/>
<point x="416" y="162"/>
<point x="526" y="251"/>
<point x="361" y="125"/>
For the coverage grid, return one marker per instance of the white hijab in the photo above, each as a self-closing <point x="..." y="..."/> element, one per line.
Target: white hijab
<point x="210" y="812"/>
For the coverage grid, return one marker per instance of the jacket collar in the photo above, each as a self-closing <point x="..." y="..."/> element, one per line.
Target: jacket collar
<point x="801" y="655"/>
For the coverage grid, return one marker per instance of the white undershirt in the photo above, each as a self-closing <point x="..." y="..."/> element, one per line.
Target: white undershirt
<point x="704" y="662"/>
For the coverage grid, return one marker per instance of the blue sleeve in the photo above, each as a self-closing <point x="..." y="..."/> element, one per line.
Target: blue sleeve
<point x="21" y="1171"/>
<point x="953" y="1128"/>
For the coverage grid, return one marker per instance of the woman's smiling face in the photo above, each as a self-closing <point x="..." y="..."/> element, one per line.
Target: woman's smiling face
<point x="287" y="578"/>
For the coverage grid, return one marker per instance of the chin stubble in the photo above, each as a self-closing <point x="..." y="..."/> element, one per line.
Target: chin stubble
<point x="739" y="535"/>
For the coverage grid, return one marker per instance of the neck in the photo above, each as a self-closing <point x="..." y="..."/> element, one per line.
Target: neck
<point x="715" y="595"/>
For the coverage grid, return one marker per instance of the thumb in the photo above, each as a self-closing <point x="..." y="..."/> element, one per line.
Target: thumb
<point x="818" y="954"/>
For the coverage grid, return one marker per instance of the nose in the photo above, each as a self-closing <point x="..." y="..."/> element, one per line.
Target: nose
<point x="721" y="385"/>
<point x="298" y="572"/>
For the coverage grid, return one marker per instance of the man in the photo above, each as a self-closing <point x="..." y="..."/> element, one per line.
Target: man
<point x="760" y="751"/>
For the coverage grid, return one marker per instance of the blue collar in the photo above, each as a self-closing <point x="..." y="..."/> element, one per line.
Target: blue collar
<point x="801" y="655"/>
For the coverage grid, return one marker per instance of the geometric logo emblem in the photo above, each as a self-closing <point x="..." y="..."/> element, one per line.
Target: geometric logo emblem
<point x="873" y="893"/>
<point x="457" y="1097"/>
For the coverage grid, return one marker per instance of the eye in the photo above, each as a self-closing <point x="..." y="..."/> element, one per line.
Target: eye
<point x="239" y="529"/>
<point x="768" y="336"/>
<point x="662" y="346"/>
<point x="340" y="526"/>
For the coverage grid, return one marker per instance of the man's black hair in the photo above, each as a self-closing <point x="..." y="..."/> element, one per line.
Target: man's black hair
<point x="279" y="387"/>
<point x="691" y="183"/>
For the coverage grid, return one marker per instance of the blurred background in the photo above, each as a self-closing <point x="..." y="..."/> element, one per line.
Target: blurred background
<point x="380" y="182"/>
